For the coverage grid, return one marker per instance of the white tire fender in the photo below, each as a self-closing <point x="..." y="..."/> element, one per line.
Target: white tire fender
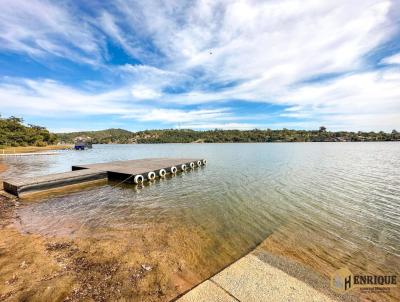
<point x="162" y="172"/>
<point x="138" y="179"/>
<point x="151" y="175"/>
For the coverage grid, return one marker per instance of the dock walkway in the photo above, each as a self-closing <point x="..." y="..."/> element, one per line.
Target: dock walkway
<point x="133" y="171"/>
<point x="18" y="186"/>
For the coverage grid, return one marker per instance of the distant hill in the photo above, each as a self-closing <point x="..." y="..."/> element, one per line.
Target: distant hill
<point x="108" y="136"/>
<point x="121" y="136"/>
<point x="13" y="132"/>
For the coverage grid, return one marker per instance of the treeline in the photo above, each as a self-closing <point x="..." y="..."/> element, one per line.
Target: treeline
<point x="226" y="136"/>
<point x="108" y="136"/>
<point x="14" y="133"/>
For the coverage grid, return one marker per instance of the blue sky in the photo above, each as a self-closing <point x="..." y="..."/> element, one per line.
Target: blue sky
<point x="88" y="65"/>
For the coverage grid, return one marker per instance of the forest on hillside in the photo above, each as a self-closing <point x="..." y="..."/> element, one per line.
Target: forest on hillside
<point x="226" y="136"/>
<point x="14" y="133"/>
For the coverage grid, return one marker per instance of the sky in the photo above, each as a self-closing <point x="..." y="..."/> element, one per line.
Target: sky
<point x="91" y="65"/>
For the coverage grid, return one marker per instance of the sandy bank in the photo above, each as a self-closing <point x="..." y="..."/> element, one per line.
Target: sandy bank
<point x="3" y="167"/>
<point x="138" y="265"/>
<point x="31" y="149"/>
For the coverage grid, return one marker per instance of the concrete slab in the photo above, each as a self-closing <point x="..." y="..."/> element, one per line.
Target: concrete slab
<point x="303" y="273"/>
<point x="250" y="279"/>
<point x="206" y="292"/>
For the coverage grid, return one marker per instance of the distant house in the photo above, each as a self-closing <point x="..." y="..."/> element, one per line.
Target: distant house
<point x="82" y="143"/>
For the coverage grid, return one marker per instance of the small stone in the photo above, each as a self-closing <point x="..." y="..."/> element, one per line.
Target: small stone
<point x="146" y="267"/>
<point x="23" y="265"/>
<point x="12" y="280"/>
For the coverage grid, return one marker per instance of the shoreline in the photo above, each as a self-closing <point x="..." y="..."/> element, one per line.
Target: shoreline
<point x="74" y="266"/>
<point x="215" y="143"/>
<point x="66" y="267"/>
<point x="65" y="262"/>
<point x="34" y="149"/>
<point x="3" y="168"/>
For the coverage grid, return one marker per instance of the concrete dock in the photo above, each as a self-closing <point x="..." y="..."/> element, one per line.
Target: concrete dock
<point x="132" y="171"/>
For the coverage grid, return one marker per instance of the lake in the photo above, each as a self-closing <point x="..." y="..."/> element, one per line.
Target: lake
<point x="324" y="204"/>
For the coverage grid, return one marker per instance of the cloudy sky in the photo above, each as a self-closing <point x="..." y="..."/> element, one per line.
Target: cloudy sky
<point x="73" y="65"/>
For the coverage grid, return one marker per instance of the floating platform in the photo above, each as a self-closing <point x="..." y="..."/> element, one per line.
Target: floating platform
<point x="132" y="171"/>
<point x="18" y="186"/>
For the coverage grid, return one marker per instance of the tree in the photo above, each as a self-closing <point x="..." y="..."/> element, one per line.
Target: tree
<point x="14" y="133"/>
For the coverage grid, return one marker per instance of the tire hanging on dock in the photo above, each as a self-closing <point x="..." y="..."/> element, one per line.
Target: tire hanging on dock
<point x="173" y="170"/>
<point x="151" y="175"/>
<point x="162" y="173"/>
<point x="191" y="165"/>
<point x="138" y="179"/>
<point x="183" y="167"/>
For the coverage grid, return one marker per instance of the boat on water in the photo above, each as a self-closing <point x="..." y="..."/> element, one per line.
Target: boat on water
<point x="82" y="143"/>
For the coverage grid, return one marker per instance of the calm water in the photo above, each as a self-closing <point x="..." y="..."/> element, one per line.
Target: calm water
<point x="347" y="192"/>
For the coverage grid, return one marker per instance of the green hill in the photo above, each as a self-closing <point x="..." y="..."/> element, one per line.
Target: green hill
<point x="108" y="136"/>
<point x="226" y="136"/>
<point x="13" y="132"/>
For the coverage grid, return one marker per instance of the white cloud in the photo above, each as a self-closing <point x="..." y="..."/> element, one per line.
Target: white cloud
<point x="142" y="92"/>
<point x="149" y="81"/>
<point x="225" y="126"/>
<point x="362" y="101"/>
<point x="256" y="51"/>
<point x="39" y="28"/>
<point x="110" y="27"/>
<point x="48" y="97"/>
<point x="395" y="59"/>
<point x="52" y="99"/>
<point x="272" y="43"/>
<point x="183" y="116"/>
